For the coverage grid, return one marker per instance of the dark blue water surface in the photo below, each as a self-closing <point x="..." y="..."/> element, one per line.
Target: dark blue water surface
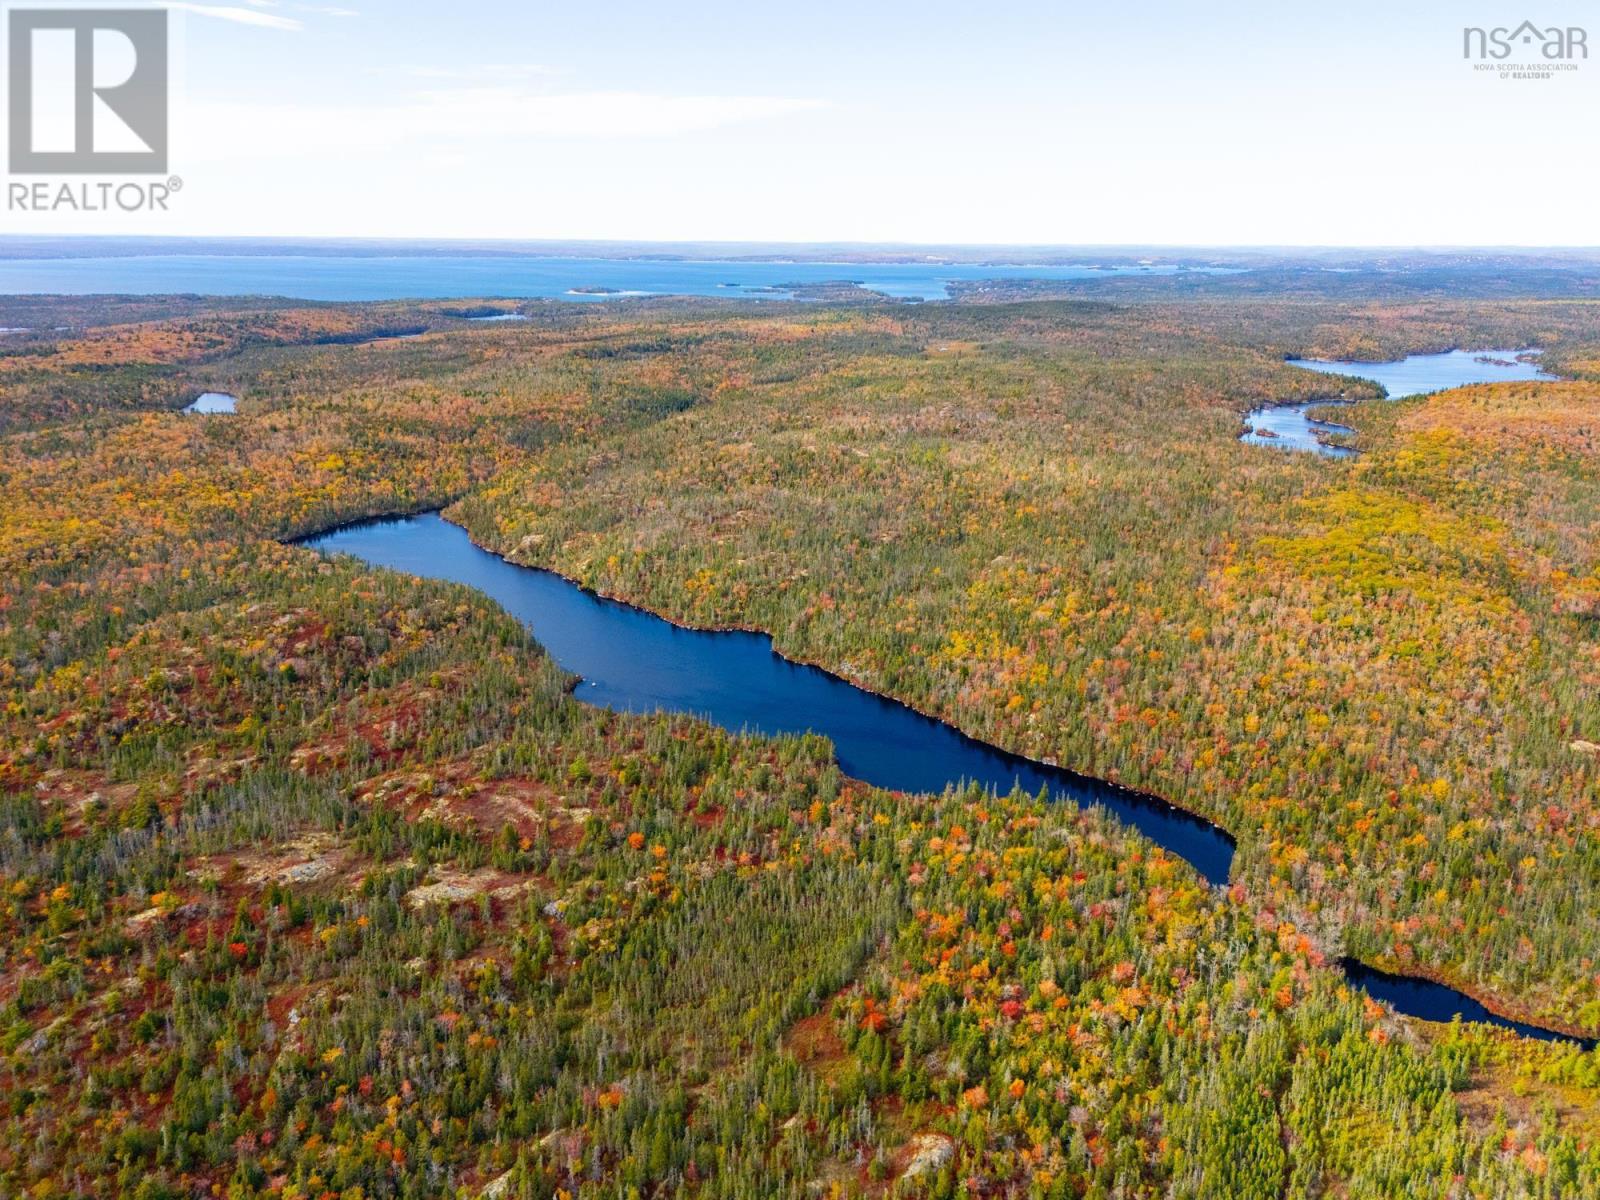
<point x="1290" y="427"/>
<point x="1435" y="1002"/>
<point x="633" y="661"/>
<point x="435" y="277"/>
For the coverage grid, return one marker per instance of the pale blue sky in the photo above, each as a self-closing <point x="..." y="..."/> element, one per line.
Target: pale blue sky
<point x="937" y="122"/>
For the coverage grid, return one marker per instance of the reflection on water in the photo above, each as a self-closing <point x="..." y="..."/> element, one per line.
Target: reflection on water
<point x="634" y="661"/>
<point x="1435" y="1002"/>
<point x="1289" y="427"/>
<point x="212" y="402"/>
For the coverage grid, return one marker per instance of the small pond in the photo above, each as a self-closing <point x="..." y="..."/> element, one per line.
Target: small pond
<point x="212" y="402"/>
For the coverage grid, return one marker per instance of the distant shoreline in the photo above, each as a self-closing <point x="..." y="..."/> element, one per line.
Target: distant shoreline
<point x="843" y="253"/>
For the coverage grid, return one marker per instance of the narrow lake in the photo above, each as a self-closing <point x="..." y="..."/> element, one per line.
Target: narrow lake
<point x="1290" y="427"/>
<point x="633" y="661"/>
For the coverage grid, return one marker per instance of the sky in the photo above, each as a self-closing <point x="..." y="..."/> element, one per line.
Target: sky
<point x="874" y="120"/>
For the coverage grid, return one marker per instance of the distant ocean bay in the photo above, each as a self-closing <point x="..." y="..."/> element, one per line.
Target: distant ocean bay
<point x="439" y="277"/>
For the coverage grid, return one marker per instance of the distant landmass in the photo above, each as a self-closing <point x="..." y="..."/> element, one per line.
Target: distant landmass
<point x="1063" y="254"/>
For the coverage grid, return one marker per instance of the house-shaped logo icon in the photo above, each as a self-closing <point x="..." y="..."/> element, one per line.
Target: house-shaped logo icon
<point x="1527" y="33"/>
<point x="1555" y="42"/>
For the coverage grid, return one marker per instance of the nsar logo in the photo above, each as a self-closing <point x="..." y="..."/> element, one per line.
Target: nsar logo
<point x="1557" y="43"/>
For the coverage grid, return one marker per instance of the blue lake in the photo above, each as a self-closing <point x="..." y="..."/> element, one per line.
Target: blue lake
<point x="633" y="661"/>
<point x="1435" y="1002"/>
<point x="1290" y="427"/>
<point x="434" y="277"/>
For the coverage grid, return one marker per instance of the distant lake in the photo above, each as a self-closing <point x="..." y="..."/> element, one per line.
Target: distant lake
<point x="1291" y="426"/>
<point x="320" y="277"/>
<point x="1418" y="374"/>
<point x="213" y="402"/>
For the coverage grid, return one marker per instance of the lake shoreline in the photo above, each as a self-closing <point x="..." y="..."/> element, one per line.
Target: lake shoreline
<point x="1504" y="1011"/>
<point x="1137" y="795"/>
<point x="335" y="278"/>
<point x="1557" y="1029"/>
<point x="1290" y="426"/>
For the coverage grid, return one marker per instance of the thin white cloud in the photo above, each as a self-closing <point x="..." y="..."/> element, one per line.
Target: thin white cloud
<point x="481" y="71"/>
<point x="509" y="111"/>
<point x="239" y="16"/>
<point x="321" y="10"/>
<point x="441" y="120"/>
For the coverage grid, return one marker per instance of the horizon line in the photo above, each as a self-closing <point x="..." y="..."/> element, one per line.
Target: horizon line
<point x="428" y="239"/>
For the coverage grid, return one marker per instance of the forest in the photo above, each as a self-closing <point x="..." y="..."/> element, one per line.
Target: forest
<point x="316" y="883"/>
